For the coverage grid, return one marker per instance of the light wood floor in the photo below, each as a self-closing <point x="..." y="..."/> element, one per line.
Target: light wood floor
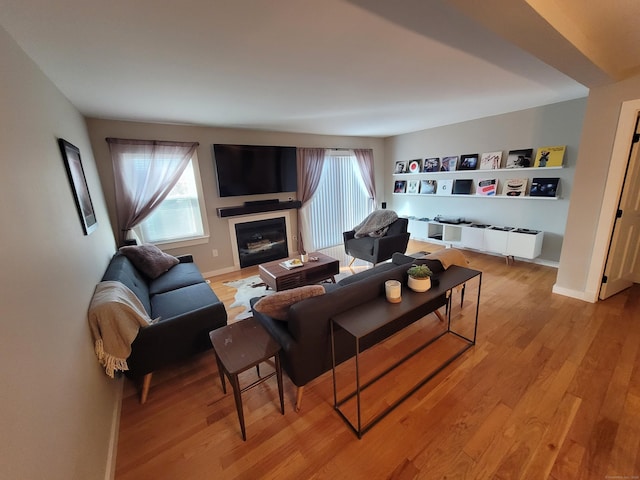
<point x="551" y="390"/>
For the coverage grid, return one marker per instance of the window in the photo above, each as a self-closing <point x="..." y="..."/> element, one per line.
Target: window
<point x="179" y="217"/>
<point x="341" y="201"/>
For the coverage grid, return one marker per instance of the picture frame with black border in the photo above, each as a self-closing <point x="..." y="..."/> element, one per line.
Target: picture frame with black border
<point x="79" y="187"/>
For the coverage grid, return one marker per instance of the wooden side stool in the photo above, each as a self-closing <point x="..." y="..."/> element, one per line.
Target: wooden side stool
<point x="239" y="347"/>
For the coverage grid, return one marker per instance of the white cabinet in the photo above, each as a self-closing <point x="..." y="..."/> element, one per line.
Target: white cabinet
<point x="418" y="229"/>
<point x="496" y="239"/>
<point x="524" y="243"/>
<point x="472" y="237"/>
<point x="508" y="241"/>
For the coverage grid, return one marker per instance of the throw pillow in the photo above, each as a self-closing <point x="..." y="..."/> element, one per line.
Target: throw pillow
<point x="149" y="259"/>
<point x="277" y="305"/>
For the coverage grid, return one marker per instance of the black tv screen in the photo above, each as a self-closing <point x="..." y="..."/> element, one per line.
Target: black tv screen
<point x="254" y="169"/>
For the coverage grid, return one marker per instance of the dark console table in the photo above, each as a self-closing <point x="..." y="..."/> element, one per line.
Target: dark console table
<point x="376" y="315"/>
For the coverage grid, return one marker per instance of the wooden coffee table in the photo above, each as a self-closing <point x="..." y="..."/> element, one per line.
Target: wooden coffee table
<point x="279" y="278"/>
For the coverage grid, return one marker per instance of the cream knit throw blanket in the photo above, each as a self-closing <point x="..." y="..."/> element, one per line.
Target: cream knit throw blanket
<point x="448" y="257"/>
<point x="115" y="317"/>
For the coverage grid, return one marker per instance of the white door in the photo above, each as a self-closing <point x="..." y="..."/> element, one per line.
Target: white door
<point x="623" y="261"/>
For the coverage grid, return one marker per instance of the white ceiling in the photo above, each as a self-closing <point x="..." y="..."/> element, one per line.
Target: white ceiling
<point x="360" y="67"/>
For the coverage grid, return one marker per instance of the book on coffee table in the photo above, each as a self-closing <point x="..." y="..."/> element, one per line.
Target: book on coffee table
<point x="293" y="263"/>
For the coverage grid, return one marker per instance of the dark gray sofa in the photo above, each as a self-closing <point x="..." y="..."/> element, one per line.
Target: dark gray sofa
<point x="305" y="337"/>
<point x="187" y="309"/>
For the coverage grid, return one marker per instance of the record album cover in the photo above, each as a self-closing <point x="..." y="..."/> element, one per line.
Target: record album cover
<point x="487" y="187"/>
<point x="462" y="186"/>
<point x="490" y="161"/>
<point x="544" y="187"/>
<point x="550" y="156"/>
<point x="413" y="186"/>
<point x="415" y="166"/>
<point x="428" y="187"/>
<point x="400" y="186"/>
<point x="515" y="187"/>
<point x="444" y="187"/>
<point x="520" y="158"/>
<point x="401" y="167"/>
<point x="468" y="162"/>
<point x="431" y="164"/>
<point x="449" y="164"/>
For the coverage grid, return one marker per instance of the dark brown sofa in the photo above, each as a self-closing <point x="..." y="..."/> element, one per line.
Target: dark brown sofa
<point x="187" y="309"/>
<point x="305" y="336"/>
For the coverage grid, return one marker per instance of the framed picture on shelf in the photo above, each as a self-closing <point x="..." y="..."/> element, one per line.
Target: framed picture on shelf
<point x="413" y="186"/>
<point x="415" y="166"/>
<point x="400" y="186"/>
<point x="544" y="187"/>
<point x="79" y="187"/>
<point x="515" y="187"/>
<point x="449" y="164"/>
<point x="468" y="162"/>
<point x="490" y="160"/>
<point x="428" y="187"/>
<point x="519" y="158"/>
<point x="550" y="156"/>
<point x="401" y="167"/>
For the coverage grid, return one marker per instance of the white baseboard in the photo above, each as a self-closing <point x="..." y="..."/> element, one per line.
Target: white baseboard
<point x="110" y="472"/>
<point x="590" y="297"/>
<point x="221" y="271"/>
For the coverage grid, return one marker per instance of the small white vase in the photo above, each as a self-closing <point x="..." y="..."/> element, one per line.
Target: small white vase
<point x="419" y="284"/>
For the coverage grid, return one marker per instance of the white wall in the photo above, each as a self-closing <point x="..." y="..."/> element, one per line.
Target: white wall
<point x="582" y="260"/>
<point x="58" y="409"/>
<point x="206" y="136"/>
<point x="557" y="124"/>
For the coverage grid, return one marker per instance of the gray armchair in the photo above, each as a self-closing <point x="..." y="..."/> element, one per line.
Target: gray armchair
<point x="378" y="249"/>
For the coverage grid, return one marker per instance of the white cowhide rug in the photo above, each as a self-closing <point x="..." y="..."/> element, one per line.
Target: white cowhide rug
<point x="248" y="288"/>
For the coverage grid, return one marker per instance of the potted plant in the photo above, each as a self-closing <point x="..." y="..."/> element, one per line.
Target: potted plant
<point x="419" y="278"/>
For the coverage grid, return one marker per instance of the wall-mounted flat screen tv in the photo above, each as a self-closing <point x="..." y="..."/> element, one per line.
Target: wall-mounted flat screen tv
<point x="254" y="169"/>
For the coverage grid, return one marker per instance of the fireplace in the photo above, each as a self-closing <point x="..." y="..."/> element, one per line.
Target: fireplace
<point x="261" y="241"/>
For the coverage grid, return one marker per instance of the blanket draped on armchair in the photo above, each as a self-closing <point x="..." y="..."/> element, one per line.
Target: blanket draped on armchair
<point x="115" y="317"/>
<point x="376" y="224"/>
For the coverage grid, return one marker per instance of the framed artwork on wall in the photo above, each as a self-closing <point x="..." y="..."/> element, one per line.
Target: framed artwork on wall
<point x="79" y="187"/>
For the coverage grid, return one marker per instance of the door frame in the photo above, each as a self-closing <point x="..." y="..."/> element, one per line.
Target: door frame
<point x="613" y="189"/>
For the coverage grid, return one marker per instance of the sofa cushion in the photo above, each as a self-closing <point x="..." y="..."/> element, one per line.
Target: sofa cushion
<point x="277" y="304"/>
<point x="182" y="301"/>
<point x="182" y="275"/>
<point x="357" y="277"/>
<point x="121" y="270"/>
<point x="362" y="245"/>
<point x="149" y="259"/>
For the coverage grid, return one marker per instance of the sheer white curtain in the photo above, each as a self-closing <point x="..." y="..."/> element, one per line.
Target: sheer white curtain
<point x="145" y="171"/>
<point x="340" y="202"/>
<point x="310" y="162"/>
